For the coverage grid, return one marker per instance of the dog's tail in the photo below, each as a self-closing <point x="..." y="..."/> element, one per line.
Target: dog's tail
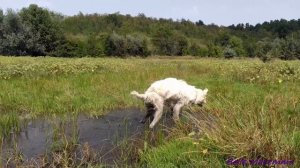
<point x="137" y="95"/>
<point x="149" y="97"/>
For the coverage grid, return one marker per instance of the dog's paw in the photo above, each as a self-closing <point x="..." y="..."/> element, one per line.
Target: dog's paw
<point x="176" y="118"/>
<point x="151" y="126"/>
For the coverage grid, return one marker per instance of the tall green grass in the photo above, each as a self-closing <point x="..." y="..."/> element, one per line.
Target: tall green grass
<point x="257" y="105"/>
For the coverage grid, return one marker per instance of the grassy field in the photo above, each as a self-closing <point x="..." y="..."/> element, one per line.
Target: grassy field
<point x="257" y="105"/>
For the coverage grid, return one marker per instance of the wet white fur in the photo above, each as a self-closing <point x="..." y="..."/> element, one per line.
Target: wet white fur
<point x="176" y="92"/>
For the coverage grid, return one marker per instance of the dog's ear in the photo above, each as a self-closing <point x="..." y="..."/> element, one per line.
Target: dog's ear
<point x="205" y="91"/>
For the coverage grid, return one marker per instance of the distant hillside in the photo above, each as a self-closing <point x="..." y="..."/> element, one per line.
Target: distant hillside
<point x="37" y="31"/>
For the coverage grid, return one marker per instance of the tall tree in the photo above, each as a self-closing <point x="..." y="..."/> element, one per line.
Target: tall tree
<point x="14" y="35"/>
<point x="1" y="23"/>
<point x="44" y="27"/>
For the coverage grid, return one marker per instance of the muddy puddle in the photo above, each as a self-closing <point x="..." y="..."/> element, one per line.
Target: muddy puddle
<point x="42" y="137"/>
<point x="102" y="134"/>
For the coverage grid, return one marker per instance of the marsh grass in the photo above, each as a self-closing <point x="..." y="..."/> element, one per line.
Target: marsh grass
<point x="270" y="132"/>
<point x="9" y="122"/>
<point x="65" y="151"/>
<point x="69" y="154"/>
<point x="255" y="106"/>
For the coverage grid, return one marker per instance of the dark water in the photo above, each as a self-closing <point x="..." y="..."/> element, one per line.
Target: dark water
<point x="37" y="137"/>
<point x="102" y="133"/>
<point x="33" y="139"/>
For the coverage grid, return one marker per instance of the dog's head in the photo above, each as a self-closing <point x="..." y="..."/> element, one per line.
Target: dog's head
<point x="201" y="97"/>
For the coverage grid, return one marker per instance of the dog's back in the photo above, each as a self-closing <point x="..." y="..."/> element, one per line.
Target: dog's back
<point x="171" y="88"/>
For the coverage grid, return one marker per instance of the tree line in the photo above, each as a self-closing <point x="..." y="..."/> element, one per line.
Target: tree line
<point x="36" y="31"/>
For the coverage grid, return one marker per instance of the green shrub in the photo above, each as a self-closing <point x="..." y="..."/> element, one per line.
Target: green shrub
<point x="214" y="50"/>
<point x="229" y="53"/>
<point x="136" y="46"/>
<point x="168" y="42"/>
<point x="118" y="45"/>
<point x="96" y="45"/>
<point x="196" y="50"/>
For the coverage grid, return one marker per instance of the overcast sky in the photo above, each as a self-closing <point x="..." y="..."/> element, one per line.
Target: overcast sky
<point x="221" y="12"/>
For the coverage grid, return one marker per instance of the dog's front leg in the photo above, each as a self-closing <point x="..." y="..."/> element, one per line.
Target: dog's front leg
<point x="172" y="104"/>
<point x="176" y="110"/>
<point x="158" y="114"/>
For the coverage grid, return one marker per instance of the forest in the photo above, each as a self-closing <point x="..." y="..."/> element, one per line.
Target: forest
<point x="36" y="31"/>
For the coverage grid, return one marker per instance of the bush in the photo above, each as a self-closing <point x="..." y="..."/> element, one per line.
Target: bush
<point x="196" y="50"/>
<point x="168" y="42"/>
<point x="263" y="48"/>
<point x="290" y="49"/>
<point x="286" y="49"/>
<point x="237" y="45"/>
<point x="67" y="48"/>
<point x="214" y="50"/>
<point x="181" y="44"/>
<point x="96" y="45"/>
<point x="117" y="45"/>
<point x="229" y="53"/>
<point x="137" y="46"/>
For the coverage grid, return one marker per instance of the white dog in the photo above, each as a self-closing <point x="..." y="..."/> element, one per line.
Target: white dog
<point x="171" y="91"/>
